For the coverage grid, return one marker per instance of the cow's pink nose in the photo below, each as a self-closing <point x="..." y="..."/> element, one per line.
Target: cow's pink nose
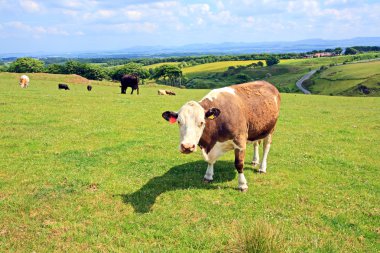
<point x="187" y="148"/>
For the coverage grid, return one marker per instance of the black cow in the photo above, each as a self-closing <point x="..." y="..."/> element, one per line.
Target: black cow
<point x="129" y="81"/>
<point x="63" y="86"/>
<point x="89" y="87"/>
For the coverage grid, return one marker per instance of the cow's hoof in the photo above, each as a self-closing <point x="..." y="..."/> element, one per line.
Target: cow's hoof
<point x="254" y="163"/>
<point x="262" y="171"/>
<point x="207" y="181"/>
<point x="243" y="189"/>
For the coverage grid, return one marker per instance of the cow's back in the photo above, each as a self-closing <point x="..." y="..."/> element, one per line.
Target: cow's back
<point x="130" y="81"/>
<point x="261" y="106"/>
<point x="249" y="108"/>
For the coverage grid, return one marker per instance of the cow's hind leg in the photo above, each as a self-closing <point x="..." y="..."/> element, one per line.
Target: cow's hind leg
<point x="256" y="157"/>
<point x="239" y="165"/>
<point x="266" y="148"/>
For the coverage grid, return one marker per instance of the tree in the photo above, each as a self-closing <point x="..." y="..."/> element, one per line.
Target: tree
<point x="55" y="69"/>
<point x="350" y="51"/>
<point x="338" y="50"/>
<point x="92" y="72"/>
<point x="26" y="65"/>
<point x="272" y="60"/>
<point x="87" y="70"/>
<point x="243" y="77"/>
<point x="131" y="69"/>
<point x="260" y="64"/>
<point x="169" y="73"/>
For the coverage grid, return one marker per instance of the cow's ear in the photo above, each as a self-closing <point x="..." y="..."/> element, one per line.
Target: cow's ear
<point x="212" y="113"/>
<point x="170" y="116"/>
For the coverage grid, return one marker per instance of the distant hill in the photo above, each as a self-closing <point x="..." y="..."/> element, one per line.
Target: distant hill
<point x="216" y="49"/>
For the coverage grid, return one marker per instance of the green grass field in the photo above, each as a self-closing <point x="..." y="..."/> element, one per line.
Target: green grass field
<point x="344" y="79"/>
<point x="100" y="171"/>
<point x="214" y="67"/>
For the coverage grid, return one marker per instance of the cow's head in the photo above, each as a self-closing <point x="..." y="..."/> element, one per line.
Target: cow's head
<point x="191" y="119"/>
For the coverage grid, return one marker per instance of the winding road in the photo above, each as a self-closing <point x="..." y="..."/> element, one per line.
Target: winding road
<point x="305" y="77"/>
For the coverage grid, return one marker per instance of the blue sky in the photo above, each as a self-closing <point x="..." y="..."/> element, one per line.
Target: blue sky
<point x="77" y="25"/>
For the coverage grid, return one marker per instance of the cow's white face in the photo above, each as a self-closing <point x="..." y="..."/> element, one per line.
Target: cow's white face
<point x="191" y="119"/>
<point x="191" y="122"/>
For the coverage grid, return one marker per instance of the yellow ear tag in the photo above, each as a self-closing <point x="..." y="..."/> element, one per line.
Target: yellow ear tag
<point x="211" y="116"/>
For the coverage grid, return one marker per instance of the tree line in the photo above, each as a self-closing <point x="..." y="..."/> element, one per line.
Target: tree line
<point x="183" y="61"/>
<point x="170" y="74"/>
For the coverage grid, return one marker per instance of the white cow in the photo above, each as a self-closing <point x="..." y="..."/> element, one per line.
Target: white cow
<point x="24" y="81"/>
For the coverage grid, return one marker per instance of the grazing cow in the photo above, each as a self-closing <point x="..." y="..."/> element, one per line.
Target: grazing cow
<point x="24" y="81"/>
<point x="165" y="92"/>
<point x="129" y="81"/>
<point x="89" y="87"/>
<point x="226" y="119"/>
<point x="169" y="92"/>
<point x="63" y="86"/>
<point x="161" y="92"/>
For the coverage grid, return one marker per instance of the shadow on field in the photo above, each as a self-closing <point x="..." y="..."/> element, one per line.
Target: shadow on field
<point x="185" y="176"/>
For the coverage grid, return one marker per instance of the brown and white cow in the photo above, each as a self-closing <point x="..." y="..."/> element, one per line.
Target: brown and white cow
<point x="24" y="81"/>
<point x="166" y="92"/>
<point x="227" y="119"/>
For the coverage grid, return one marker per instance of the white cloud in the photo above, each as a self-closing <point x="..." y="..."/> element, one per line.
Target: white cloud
<point x="99" y="14"/>
<point x="29" y="5"/>
<point x="83" y="4"/>
<point x="333" y="2"/>
<point x="199" y="21"/>
<point x="219" y="5"/>
<point x="35" y="30"/>
<point x="146" y="27"/>
<point x="105" y="13"/>
<point x="133" y="15"/>
<point x="164" y="5"/>
<point x="199" y="8"/>
<point x="72" y="13"/>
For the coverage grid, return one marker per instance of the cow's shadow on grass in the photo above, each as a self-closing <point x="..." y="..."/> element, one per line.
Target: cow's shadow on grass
<point x="185" y="176"/>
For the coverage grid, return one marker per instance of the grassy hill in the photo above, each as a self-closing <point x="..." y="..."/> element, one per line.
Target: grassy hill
<point x="284" y="75"/>
<point x="214" y="67"/>
<point x="100" y="171"/>
<point x="347" y="80"/>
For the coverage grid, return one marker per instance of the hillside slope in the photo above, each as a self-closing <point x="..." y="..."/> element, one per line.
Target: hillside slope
<point x="284" y="75"/>
<point x="360" y="79"/>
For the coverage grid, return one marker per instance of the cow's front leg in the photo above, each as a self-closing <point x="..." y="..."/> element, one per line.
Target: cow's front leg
<point x="239" y="165"/>
<point x="138" y="91"/>
<point x="132" y="91"/>
<point x="209" y="173"/>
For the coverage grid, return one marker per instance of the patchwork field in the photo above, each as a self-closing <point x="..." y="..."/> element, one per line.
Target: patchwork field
<point x="100" y="171"/>
<point x="284" y="75"/>
<point x="215" y="67"/>
<point x="346" y="79"/>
